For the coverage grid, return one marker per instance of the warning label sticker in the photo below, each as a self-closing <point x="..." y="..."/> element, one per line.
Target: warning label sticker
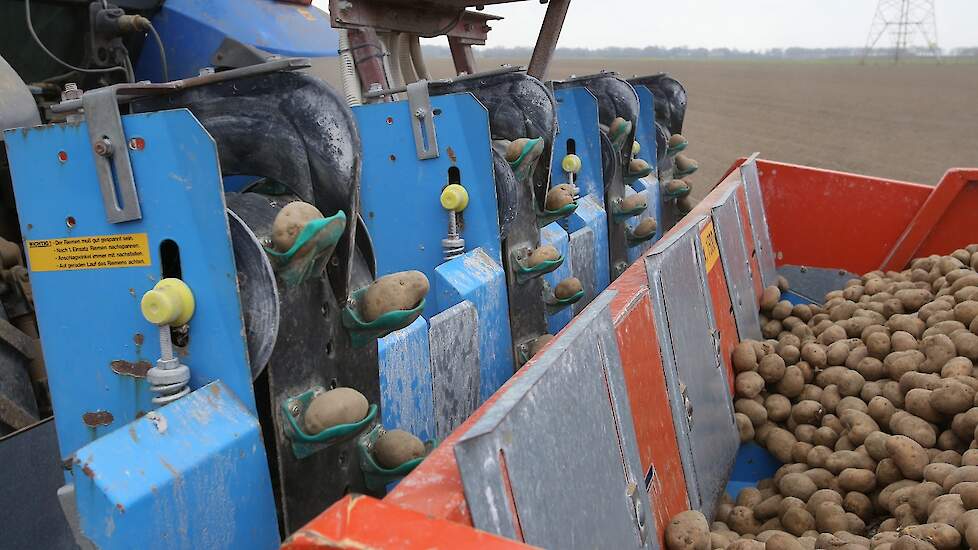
<point x="94" y="252"/>
<point x="711" y="251"/>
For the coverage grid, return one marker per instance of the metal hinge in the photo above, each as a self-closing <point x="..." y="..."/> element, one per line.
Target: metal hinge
<point x="422" y="120"/>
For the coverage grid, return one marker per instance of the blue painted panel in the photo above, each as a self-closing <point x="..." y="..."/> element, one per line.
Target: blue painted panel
<point x="479" y="279"/>
<point x="591" y="214"/>
<point x="555" y="236"/>
<point x="577" y="116"/>
<point x="400" y="194"/>
<point x="192" y="30"/>
<point x="405" y="380"/>
<point x="196" y="477"/>
<point x="90" y="317"/>
<point x="753" y="463"/>
<point x="645" y="135"/>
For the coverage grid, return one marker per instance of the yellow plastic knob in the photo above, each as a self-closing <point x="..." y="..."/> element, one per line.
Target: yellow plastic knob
<point x="636" y="147"/>
<point x="571" y="163"/>
<point x="454" y="197"/>
<point x="170" y="302"/>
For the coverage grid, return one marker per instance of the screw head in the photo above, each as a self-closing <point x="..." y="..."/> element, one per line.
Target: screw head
<point x="103" y="147"/>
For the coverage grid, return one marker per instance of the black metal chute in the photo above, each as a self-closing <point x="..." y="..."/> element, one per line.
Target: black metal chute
<point x="290" y="128"/>
<point x="670" y="100"/>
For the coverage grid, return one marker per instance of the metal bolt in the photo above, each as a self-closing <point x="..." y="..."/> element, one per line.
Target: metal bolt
<point x="204" y="71"/>
<point x="420" y="113"/>
<point x="803" y="269"/>
<point x="103" y="147"/>
<point x="71" y="92"/>
<point x="294" y="409"/>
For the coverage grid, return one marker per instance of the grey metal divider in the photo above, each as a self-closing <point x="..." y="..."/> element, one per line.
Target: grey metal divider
<point x="555" y="457"/>
<point x="729" y="228"/>
<point x="758" y="221"/>
<point x="702" y="408"/>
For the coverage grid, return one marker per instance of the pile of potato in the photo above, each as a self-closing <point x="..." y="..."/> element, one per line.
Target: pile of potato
<point x="871" y="402"/>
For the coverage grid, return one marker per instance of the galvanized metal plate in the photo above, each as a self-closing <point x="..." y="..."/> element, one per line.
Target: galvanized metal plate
<point x="814" y="283"/>
<point x="582" y="247"/>
<point x="454" y="340"/>
<point x="698" y="389"/>
<point x="758" y="221"/>
<point x="555" y="457"/>
<point x="736" y="264"/>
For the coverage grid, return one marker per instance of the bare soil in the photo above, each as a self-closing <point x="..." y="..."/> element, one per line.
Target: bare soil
<point x="907" y="122"/>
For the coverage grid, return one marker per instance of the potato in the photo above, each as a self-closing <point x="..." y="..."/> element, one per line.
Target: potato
<point x="906" y="323"/>
<point x="855" y="479"/>
<point x="805" y="433"/>
<point x="913" y="299"/>
<point x="840" y="460"/>
<point x="945" y="509"/>
<point x="744" y="357"/>
<point x="397" y="291"/>
<point x="969" y="494"/>
<point x="744" y="427"/>
<point x="908" y="455"/>
<point x="792" y="383"/>
<point x="944" y="327"/>
<point x="783" y="541"/>
<point x="966" y="311"/>
<point x="964" y="424"/>
<point x="859" y="424"/>
<point x="887" y="492"/>
<point x="807" y="412"/>
<point x="898" y="363"/>
<point x="749" y="384"/>
<point x="938" y="349"/>
<point x="813" y="354"/>
<point x="769" y="298"/>
<point x="797" y="485"/>
<point x="966" y="342"/>
<point x="832" y="334"/>
<point x="545" y="253"/>
<point x="878" y="344"/>
<point x="918" y="404"/>
<point x="395" y="447"/>
<point x="881" y="410"/>
<point x="289" y="222"/>
<point x="334" y="407"/>
<point x="903" y="423"/>
<point x="918" y="380"/>
<point x="778" y="407"/>
<point x="752" y="409"/>
<point x="959" y="475"/>
<point x="771" y="368"/>
<point x="938" y="472"/>
<point x="830" y="517"/>
<point x="952" y="397"/>
<point x="957" y="366"/>
<point x="688" y="530"/>
<point x="742" y="520"/>
<point x="779" y="442"/>
<point x="859" y="504"/>
<point x="921" y="496"/>
<point x="903" y="341"/>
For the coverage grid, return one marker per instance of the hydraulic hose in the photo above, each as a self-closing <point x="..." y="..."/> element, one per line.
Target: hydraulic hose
<point x="348" y="71"/>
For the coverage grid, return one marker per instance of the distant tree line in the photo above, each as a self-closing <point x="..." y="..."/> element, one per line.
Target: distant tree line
<point x="683" y="52"/>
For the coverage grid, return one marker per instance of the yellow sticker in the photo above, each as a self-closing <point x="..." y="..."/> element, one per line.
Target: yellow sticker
<point x="306" y="13"/>
<point x="710" y="249"/>
<point x="94" y="252"/>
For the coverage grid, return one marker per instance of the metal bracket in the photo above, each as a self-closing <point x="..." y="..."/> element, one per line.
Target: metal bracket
<point x="422" y="120"/>
<point x="111" y="155"/>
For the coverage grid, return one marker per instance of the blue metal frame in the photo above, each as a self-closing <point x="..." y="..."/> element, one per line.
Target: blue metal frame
<point x="90" y="318"/>
<point x="577" y="116"/>
<point x="645" y="135"/>
<point x="192" y="30"/>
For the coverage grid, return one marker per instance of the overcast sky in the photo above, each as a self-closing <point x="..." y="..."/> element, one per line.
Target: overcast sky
<point x="745" y="24"/>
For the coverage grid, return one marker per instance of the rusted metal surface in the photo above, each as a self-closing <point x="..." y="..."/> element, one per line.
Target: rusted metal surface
<point x="97" y="418"/>
<point x="128" y="368"/>
<point x="429" y="20"/>
<point x="553" y="21"/>
<point x="462" y="56"/>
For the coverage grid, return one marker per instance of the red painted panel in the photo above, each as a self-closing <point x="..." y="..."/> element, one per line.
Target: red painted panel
<point x="722" y="310"/>
<point x="359" y="522"/>
<point x="649" y="401"/>
<point x="822" y="218"/>
<point x="944" y="223"/>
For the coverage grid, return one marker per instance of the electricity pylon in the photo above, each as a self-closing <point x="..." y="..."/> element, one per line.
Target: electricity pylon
<point x="904" y="21"/>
